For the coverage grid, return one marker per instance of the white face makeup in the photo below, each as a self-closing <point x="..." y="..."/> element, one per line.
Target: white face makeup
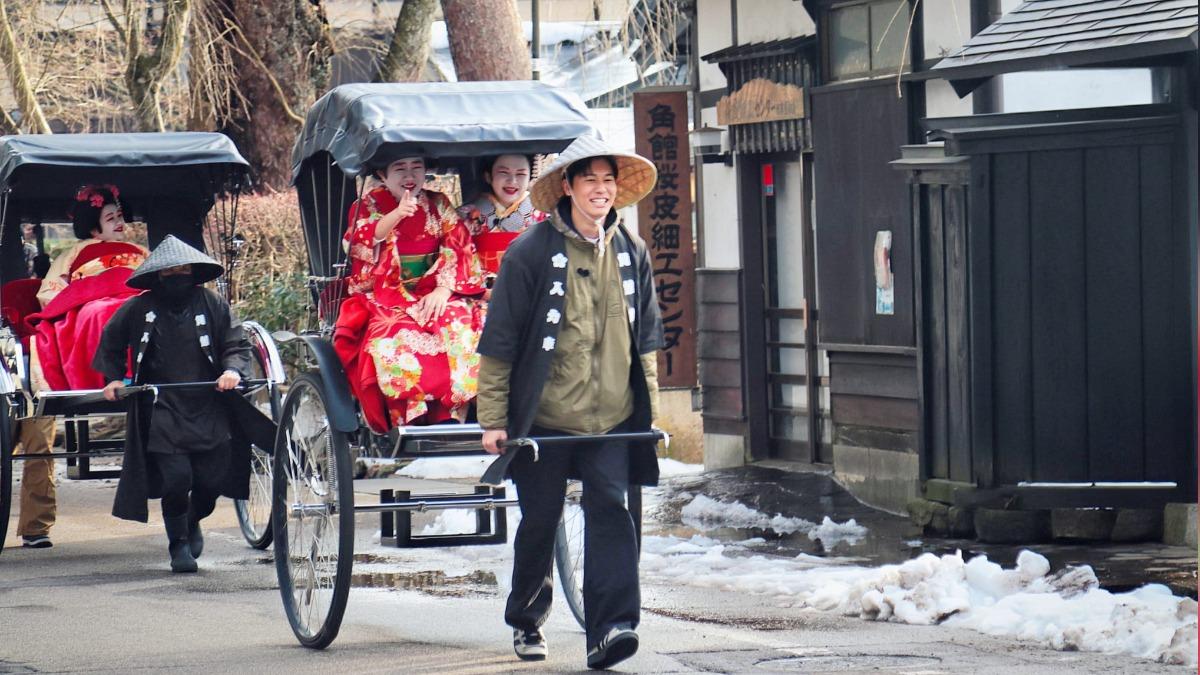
<point x="406" y="174"/>
<point x="112" y="223"/>
<point x="593" y="191"/>
<point x="509" y="178"/>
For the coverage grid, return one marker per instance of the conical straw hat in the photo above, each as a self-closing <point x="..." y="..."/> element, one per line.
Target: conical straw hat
<point x="172" y="252"/>
<point x="636" y="175"/>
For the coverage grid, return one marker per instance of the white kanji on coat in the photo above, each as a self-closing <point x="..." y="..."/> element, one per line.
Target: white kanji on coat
<point x="623" y="259"/>
<point x="553" y="316"/>
<point x="151" y="316"/>
<point x="632" y="315"/>
<point x="559" y="260"/>
<point x="548" y="344"/>
<point x="557" y="289"/>
<point x="200" y="320"/>
<point x="204" y="342"/>
<point x="629" y="287"/>
<point x="146" y="337"/>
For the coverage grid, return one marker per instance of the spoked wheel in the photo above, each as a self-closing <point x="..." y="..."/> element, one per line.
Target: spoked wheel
<point x="569" y="544"/>
<point x="8" y="427"/>
<point x="312" y="515"/>
<point x="254" y="514"/>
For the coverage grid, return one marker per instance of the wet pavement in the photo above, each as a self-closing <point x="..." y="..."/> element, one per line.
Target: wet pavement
<point x="893" y="539"/>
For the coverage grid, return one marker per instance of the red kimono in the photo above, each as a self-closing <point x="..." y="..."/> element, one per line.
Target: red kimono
<point x="67" y="330"/>
<point x="403" y="372"/>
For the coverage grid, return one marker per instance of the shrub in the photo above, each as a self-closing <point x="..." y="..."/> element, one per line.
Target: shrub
<point x="270" y="277"/>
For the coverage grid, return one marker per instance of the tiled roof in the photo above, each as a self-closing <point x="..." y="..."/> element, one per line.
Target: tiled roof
<point x="1043" y="34"/>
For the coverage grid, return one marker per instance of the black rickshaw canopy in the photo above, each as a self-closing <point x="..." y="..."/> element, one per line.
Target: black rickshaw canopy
<point x="365" y="126"/>
<point x="169" y="180"/>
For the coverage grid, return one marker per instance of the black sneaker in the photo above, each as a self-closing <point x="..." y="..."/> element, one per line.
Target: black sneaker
<point x="36" y="541"/>
<point x="530" y="645"/>
<point x="619" y="644"/>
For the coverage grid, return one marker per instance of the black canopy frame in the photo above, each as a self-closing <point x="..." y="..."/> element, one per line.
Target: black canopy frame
<point x="181" y="183"/>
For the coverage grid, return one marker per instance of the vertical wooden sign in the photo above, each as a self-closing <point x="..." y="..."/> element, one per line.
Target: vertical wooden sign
<point x="665" y="222"/>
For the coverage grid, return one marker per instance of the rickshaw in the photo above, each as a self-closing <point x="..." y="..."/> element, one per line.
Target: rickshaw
<point x="351" y="131"/>
<point x="186" y="184"/>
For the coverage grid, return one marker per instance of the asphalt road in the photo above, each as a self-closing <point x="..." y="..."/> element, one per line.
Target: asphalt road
<point x="103" y="600"/>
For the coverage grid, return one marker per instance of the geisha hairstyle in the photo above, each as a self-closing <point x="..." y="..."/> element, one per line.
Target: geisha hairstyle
<point x="89" y="201"/>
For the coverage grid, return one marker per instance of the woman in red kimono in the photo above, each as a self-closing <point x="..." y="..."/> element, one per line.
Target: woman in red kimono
<point x="83" y="288"/>
<point x="503" y="212"/>
<point x="407" y="333"/>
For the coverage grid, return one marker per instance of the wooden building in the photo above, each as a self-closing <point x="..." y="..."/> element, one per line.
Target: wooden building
<point x="1012" y="311"/>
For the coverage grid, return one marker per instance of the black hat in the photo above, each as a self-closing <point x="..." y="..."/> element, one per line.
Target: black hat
<point x="172" y="252"/>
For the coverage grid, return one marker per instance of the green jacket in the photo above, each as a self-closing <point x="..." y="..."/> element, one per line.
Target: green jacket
<point x="588" y="389"/>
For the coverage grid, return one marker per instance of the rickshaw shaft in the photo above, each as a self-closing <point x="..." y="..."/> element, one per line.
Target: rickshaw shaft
<point x="409" y="505"/>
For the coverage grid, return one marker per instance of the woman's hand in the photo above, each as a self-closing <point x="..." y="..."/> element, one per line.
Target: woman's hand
<point x="432" y="305"/>
<point x="228" y="380"/>
<point x="406" y="207"/>
<point x="492" y="440"/>
<point x="110" y="389"/>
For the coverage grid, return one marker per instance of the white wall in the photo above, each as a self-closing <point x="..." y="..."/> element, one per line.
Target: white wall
<point x="941" y="101"/>
<point x="718" y="198"/>
<point x="766" y="20"/>
<point x="713" y="32"/>
<point x="1078" y="88"/>
<point x="720" y="203"/>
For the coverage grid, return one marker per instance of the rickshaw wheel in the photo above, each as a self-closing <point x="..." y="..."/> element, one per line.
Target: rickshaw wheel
<point x="254" y="514"/>
<point x="568" y="544"/>
<point x="7" y="429"/>
<point x="312" y="514"/>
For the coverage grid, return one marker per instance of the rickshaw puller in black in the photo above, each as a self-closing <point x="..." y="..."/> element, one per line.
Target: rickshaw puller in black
<point x="187" y="334"/>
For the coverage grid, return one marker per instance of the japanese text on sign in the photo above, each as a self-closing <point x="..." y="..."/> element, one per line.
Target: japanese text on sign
<point x="665" y="221"/>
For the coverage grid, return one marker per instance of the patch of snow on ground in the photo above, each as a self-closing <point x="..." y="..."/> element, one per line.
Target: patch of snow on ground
<point x="669" y="468"/>
<point x="707" y="513"/>
<point x="1066" y="610"/>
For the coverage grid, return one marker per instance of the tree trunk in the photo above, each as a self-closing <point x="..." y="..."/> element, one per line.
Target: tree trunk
<point x="281" y="53"/>
<point x="145" y="72"/>
<point x="486" y="40"/>
<point x="409" y="49"/>
<point x="31" y="110"/>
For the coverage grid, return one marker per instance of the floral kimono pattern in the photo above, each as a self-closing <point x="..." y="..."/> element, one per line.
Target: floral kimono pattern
<point x="403" y="372"/>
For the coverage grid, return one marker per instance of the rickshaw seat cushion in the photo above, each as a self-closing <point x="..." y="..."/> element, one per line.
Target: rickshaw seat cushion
<point x="18" y="300"/>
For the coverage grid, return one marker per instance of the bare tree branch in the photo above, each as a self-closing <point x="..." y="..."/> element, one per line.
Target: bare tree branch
<point x="112" y="18"/>
<point x="146" y="72"/>
<point x="409" y="49"/>
<point x="252" y="54"/>
<point x="31" y="110"/>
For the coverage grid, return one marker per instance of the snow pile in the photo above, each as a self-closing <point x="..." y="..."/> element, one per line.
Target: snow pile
<point x="669" y="468"/>
<point x="1065" y="610"/>
<point x="707" y="513"/>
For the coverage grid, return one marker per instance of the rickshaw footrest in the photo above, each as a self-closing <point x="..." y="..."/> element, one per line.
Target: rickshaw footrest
<point x="395" y="527"/>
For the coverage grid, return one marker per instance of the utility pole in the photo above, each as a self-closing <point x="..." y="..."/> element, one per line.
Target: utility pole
<point x="535" y="42"/>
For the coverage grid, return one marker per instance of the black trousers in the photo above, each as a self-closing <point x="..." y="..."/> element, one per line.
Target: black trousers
<point x="197" y="474"/>
<point x="611" y="595"/>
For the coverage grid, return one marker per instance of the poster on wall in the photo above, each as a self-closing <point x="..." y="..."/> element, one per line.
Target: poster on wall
<point x="885" y="288"/>
<point x="660" y="122"/>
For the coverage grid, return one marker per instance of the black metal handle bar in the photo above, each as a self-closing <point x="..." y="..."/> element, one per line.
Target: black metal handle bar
<point x="494" y="475"/>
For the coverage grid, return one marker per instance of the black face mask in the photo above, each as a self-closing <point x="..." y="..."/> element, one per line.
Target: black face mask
<point x="175" y="289"/>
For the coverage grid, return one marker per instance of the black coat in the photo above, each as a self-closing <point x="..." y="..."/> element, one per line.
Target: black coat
<point x="516" y="329"/>
<point x="223" y="341"/>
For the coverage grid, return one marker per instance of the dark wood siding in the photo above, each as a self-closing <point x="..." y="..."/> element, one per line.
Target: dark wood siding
<point x="1071" y="322"/>
<point x="874" y="399"/>
<point x="857" y="130"/>
<point x="719" y="347"/>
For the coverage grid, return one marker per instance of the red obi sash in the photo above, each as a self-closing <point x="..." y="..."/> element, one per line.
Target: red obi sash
<point x="491" y="247"/>
<point x="110" y="254"/>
